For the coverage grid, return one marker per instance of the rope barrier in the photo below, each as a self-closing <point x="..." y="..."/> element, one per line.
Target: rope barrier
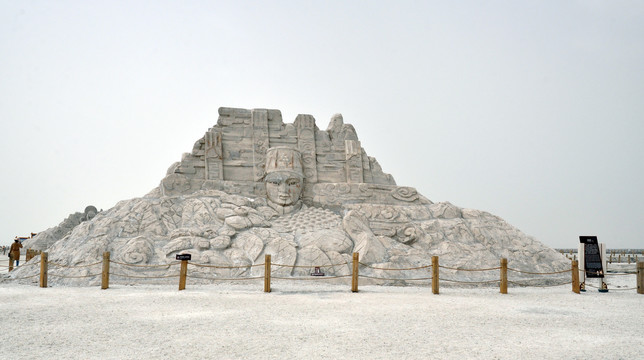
<point x="311" y="278"/>
<point x="470" y="282"/>
<point x="149" y="266"/>
<point x="224" y="267"/>
<point x="74" y="277"/>
<point x="307" y="266"/>
<point x="486" y="269"/>
<point x="75" y="267"/>
<point x="611" y="274"/>
<point x="528" y="285"/>
<point x="540" y="273"/>
<point x="379" y="268"/>
<point x="26" y="277"/>
<point x="26" y="264"/>
<point x="381" y="278"/>
<point x="596" y="287"/>
<point x="627" y="289"/>
<point x="144" y="277"/>
<point x="225" y="279"/>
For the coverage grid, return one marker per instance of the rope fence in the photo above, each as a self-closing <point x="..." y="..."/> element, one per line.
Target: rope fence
<point x="395" y="269"/>
<point x="209" y="272"/>
<point x="459" y="269"/>
<point x="471" y="282"/>
<point x="224" y="267"/>
<point x="72" y="266"/>
<point x="541" y="273"/>
<point x="538" y="285"/>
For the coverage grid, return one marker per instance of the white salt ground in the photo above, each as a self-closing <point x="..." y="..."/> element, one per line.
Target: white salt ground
<point x="304" y="320"/>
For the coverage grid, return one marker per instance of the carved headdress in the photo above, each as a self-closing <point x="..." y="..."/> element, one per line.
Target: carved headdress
<point x="284" y="159"/>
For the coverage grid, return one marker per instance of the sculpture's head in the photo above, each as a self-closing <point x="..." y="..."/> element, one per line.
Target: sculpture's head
<point x="284" y="178"/>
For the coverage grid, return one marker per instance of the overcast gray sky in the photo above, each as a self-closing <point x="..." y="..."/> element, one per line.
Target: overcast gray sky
<point x="531" y="110"/>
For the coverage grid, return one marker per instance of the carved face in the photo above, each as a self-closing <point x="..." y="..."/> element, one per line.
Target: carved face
<point x="283" y="188"/>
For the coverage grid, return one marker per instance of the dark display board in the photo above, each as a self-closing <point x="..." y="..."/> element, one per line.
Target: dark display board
<point x="592" y="259"/>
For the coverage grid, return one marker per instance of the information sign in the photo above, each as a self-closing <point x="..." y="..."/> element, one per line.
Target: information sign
<point x="592" y="258"/>
<point x="184" y="257"/>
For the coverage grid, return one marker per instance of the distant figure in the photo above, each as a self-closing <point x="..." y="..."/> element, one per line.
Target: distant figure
<point x="15" y="251"/>
<point x="4" y="250"/>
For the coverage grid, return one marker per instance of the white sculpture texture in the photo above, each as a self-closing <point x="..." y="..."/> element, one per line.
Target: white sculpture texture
<point x="253" y="185"/>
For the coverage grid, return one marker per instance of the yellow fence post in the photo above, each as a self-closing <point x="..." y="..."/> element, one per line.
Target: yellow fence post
<point x="183" y="274"/>
<point x="267" y="273"/>
<point x="575" y="277"/>
<point x="10" y="262"/>
<point x="640" y="277"/>
<point x="435" y="274"/>
<point x="105" y="278"/>
<point x="504" y="276"/>
<point x="43" y="270"/>
<point x="354" y="275"/>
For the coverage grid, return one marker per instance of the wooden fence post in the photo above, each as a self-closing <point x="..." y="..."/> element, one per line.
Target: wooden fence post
<point x="504" y="276"/>
<point x="10" y="262"/>
<point x="640" y="277"/>
<point x="43" y="270"/>
<point x="267" y="273"/>
<point x="182" y="274"/>
<point x="575" y="277"/>
<point x="435" y="274"/>
<point x="105" y="278"/>
<point x="354" y="275"/>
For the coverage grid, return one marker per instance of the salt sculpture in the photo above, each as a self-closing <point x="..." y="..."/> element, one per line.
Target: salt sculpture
<point x="253" y="185"/>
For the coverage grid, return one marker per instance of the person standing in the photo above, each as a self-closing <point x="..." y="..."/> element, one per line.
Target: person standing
<point x="15" y="251"/>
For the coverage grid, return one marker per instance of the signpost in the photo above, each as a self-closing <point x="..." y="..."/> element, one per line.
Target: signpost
<point x="592" y="261"/>
<point x="592" y="258"/>
<point x="317" y="272"/>
<point x="184" y="257"/>
<point x="183" y="273"/>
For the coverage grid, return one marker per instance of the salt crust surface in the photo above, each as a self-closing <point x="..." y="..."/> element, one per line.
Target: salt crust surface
<point x="304" y="320"/>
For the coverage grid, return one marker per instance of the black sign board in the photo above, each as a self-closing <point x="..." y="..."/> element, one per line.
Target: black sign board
<point x="592" y="259"/>
<point x="184" y="257"/>
<point x="317" y="272"/>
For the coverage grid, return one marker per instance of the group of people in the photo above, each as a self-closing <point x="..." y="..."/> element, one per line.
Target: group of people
<point x="14" y="251"/>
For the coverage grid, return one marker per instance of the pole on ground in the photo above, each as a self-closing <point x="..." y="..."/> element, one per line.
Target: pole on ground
<point x="504" y="276"/>
<point x="10" y="262"/>
<point x="43" y="270"/>
<point x="640" y="277"/>
<point x="435" y="274"/>
<point x="354" y="275"/>
<point x="105" y="278"/>
<point x="182" y="274"/>
<point x="267" y="273"/>
<point x="575" y="277"/>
